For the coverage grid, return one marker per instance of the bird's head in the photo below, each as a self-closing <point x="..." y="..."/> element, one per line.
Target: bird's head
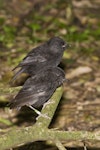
<point x="57" y="44"/>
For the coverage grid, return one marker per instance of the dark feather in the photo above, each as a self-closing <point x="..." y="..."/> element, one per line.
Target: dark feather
<point x="39" y="88"/>
<point x="45" y="55"/>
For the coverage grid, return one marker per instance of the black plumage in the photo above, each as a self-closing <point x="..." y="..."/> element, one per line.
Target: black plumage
<point x="39" y="88"/>
<point x="48" y="54"/>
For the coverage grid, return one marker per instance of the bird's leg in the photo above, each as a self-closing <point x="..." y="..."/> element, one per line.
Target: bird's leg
<point x="39" y="113"/>
<point x="36" y="111"/>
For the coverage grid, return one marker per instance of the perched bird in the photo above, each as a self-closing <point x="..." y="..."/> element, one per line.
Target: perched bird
<point x="48" y="54"/>
<point x="39" y="88"/>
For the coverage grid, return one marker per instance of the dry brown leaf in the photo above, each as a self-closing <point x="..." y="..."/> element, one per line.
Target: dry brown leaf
<point x="79" y="71"/>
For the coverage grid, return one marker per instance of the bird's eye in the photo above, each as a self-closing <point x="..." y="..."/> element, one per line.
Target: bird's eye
<point x="64" y="45"/>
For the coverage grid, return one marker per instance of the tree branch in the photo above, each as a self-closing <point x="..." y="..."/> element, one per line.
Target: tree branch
<point x="40" y="131"/>
<point x="50" y="108"/>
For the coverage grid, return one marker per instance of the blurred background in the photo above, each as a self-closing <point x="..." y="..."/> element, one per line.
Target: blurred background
<point x="25" y="24"/>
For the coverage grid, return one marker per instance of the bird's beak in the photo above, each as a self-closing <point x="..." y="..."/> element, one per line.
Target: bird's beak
<point x="66" y="46"/>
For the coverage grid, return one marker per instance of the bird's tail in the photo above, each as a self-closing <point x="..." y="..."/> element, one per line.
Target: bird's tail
<point x="17" y="76"/>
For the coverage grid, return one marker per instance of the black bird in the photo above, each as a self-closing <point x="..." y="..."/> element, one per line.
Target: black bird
<point x="39" y="88"/>
<point x="48" y="54"/>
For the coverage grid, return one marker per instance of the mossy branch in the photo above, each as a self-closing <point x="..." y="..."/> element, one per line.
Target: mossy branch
<point x="40" y="131"/>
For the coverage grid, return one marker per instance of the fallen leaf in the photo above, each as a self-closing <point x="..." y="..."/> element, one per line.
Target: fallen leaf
<point x="79" y="71"/>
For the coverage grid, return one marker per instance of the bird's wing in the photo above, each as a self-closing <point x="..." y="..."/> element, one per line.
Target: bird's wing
<point x="36" y="55"/>
<point x="32" y="60"/>
<point x="33" y="94"/>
